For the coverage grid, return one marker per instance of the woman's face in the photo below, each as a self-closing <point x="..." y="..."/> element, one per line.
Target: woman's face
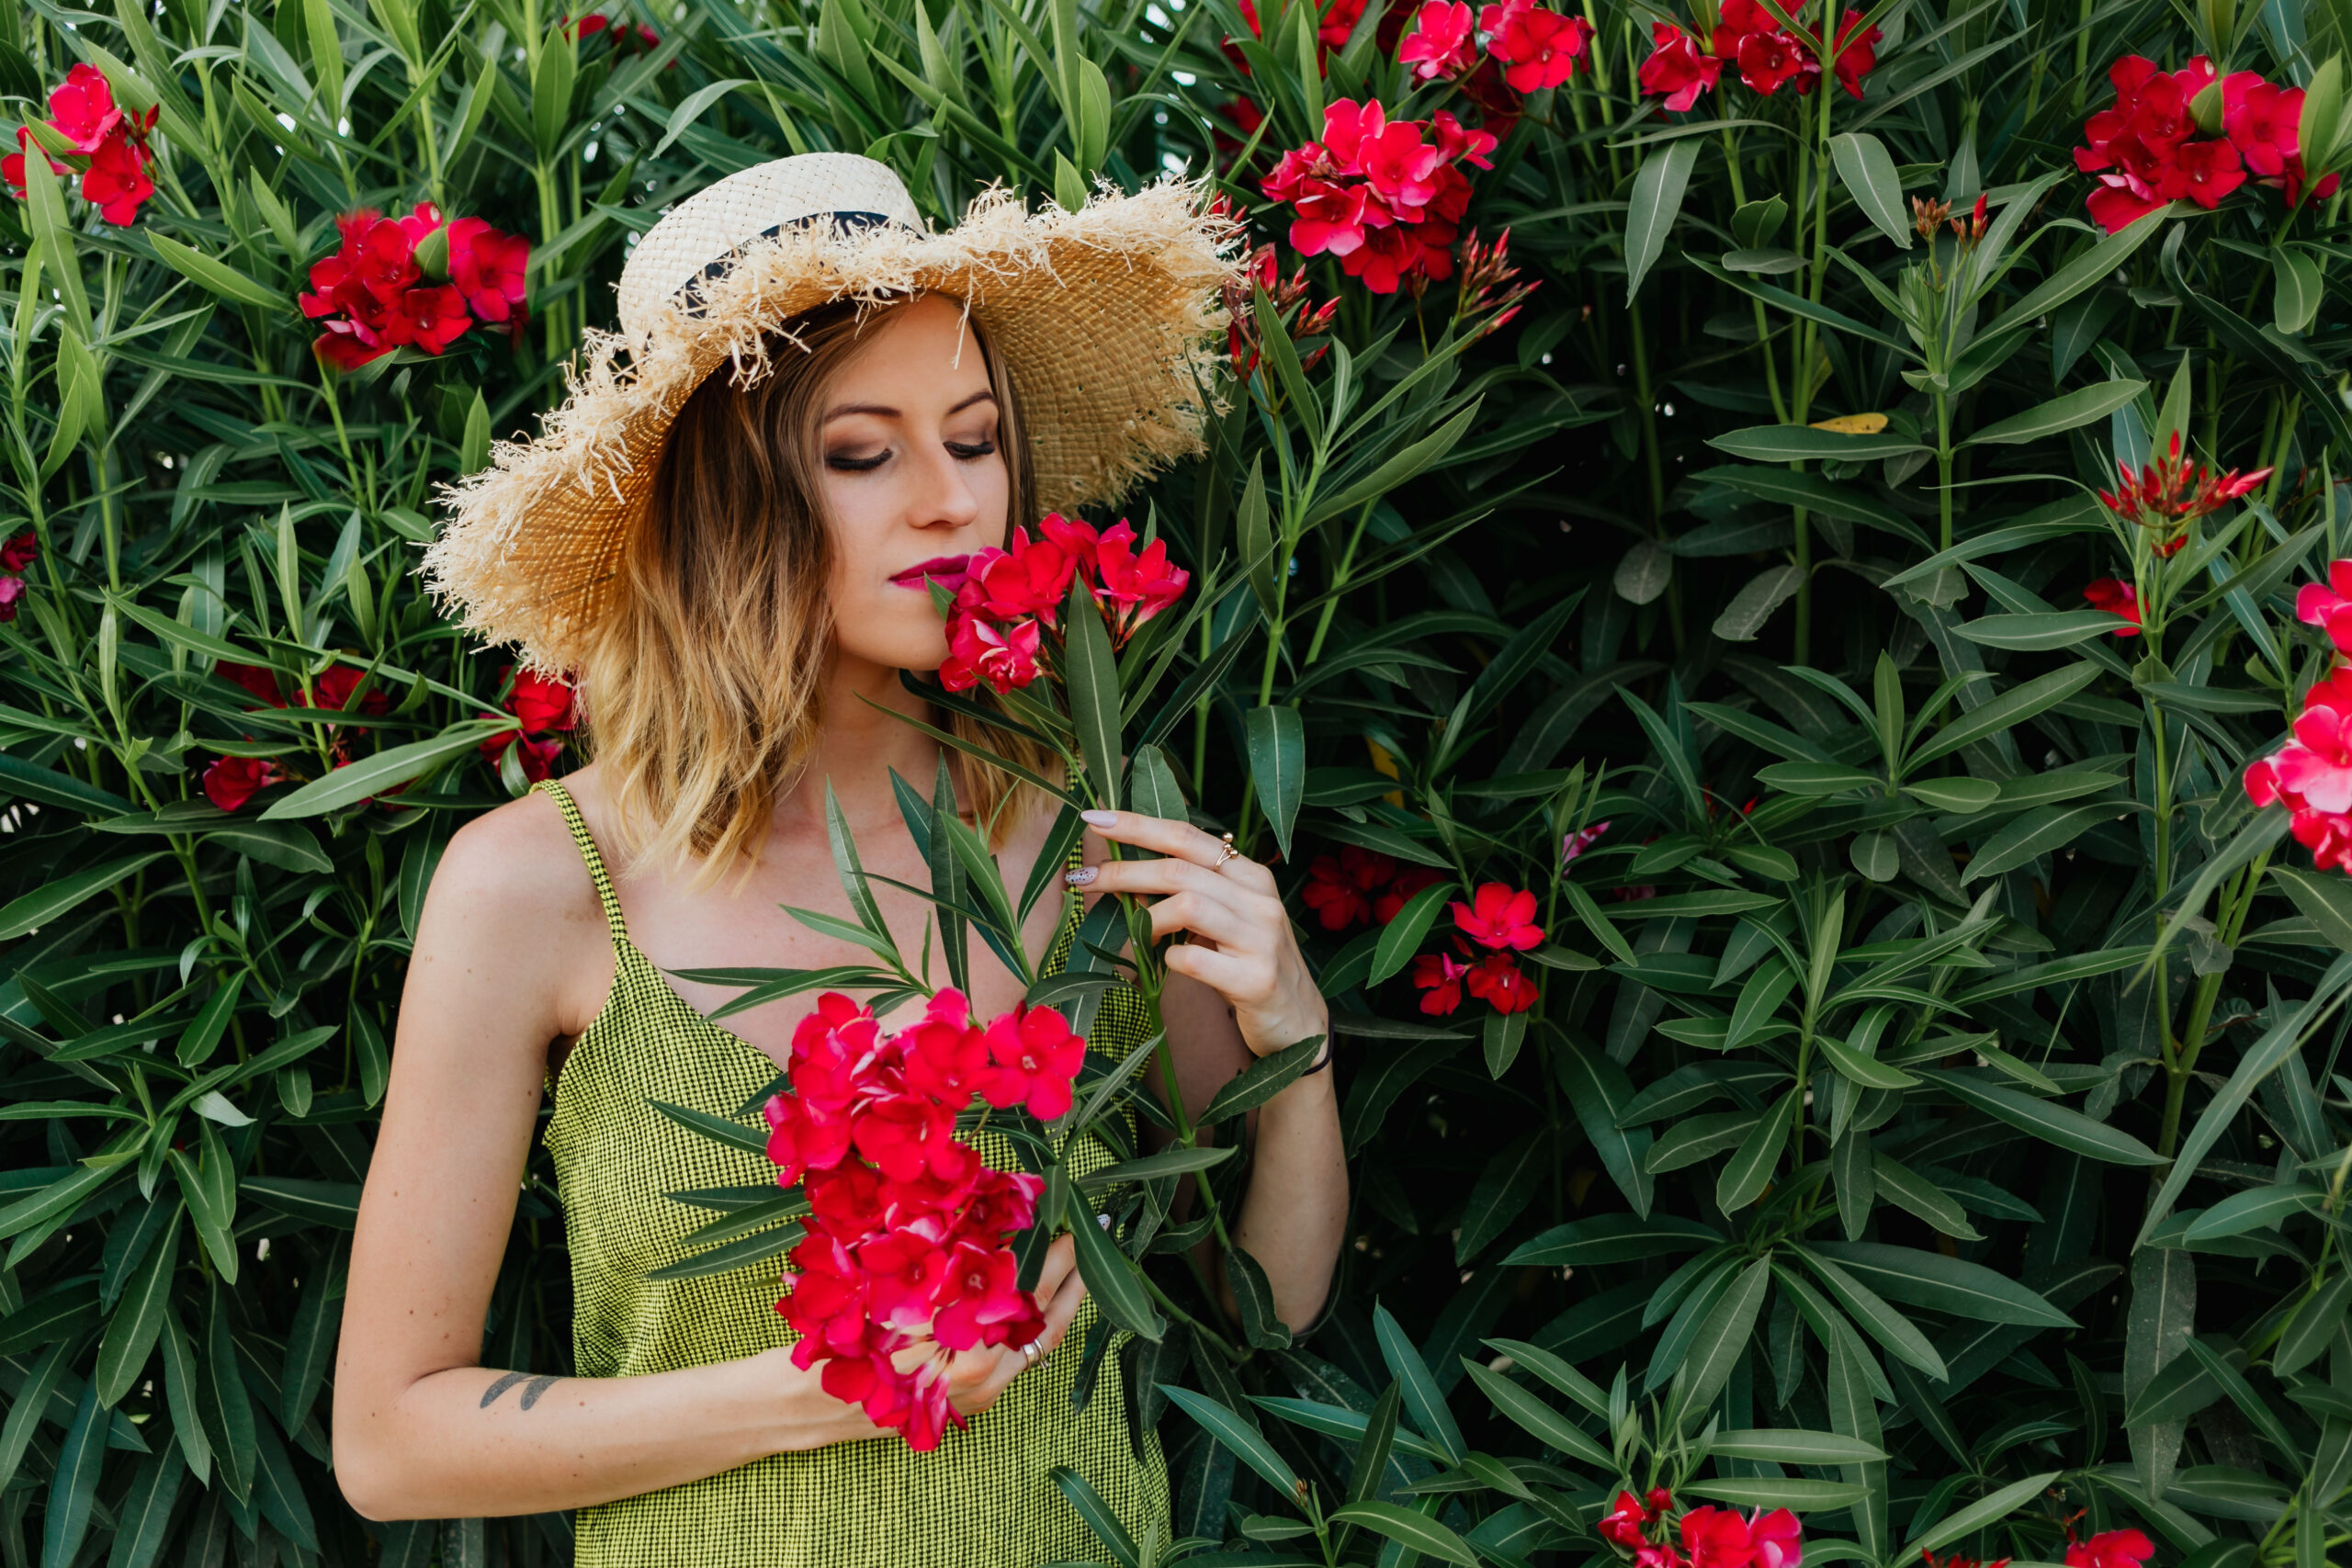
<point x="913" y="480"/>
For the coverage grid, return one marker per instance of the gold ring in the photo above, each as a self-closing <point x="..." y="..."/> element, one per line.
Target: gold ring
<point x="1225" y="855"/>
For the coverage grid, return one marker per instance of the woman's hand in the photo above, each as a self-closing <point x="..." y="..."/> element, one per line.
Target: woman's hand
<point x="1240" y="945"/>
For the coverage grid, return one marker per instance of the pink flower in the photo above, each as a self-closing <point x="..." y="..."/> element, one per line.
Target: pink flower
<point x="1030" y="579"/>
<point x="1500" y="916"/>
<point x="1133" y="588"/>
<point x="1005" y="657"/>
<point x="2327" y="605"/>
<point x="1767" y="60"/>
<point x="1621" y="1524"/>
<point x="1575" y="843"/>
<point x="1537" y="47"/>
<point x="1037" y="1057"/>
<point x="2117" y="599"/>
<point x="12" y="593"/>
<point x="2312" y="775"/>
<point x="980" y="1302"/>
<point x="1440" y="43"/>
<point x="83" y="109"/>
<point x="1675" y="68"/>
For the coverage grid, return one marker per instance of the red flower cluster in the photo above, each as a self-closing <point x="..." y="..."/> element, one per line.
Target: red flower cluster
<point x="2312" y="772"/>
<point x="2168" y="494"/>
<point x="906" y="1227"/>
<point x="1377" y="195"/>
<point x="545" y="705"/>
<point x="1360" y="885"/>
<point x="375" y="294"/>
<point x="82" y="109"/>
<point x="2110" y="1549"/>
<point x="1008" y="599"/>
<point x="2149" y="140"/>
<point x="1767" y="55"/>
<point x="1711" y="1537"/>
<point x="1532" y="47"/>
<point x="15" y="559"/>
<point x="230" y="782"/>
<point x="1501" y="919"/>
<point x="2117" y="599"/>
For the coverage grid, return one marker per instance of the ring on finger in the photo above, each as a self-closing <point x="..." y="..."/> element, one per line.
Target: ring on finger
<point x="1224" y="854"/>
<point x="1032" y="1353"/>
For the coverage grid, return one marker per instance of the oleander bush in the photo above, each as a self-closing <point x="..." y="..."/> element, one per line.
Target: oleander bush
<point x="1840" y="1008"/>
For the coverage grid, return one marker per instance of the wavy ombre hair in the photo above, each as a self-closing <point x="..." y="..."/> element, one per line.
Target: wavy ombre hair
<point x="702" y="695"/>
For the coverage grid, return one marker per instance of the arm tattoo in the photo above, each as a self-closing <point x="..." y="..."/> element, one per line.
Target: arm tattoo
<point x="536" y="1387"/>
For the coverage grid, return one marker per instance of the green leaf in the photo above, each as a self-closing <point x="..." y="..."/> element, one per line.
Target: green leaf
<point x="2009" y="709"/>
<point x="717" y="1129"/>
<point x="1088" y="1505"/>
<point x="1793" y="1445"/>
<point x="1401" y="938"/>
<point x="2312" y="1328"/>
<point x="850" y="869"/>
<point x="2298" y="288"/>
<point x="726" y="1258"/>
<point x="2078" y="407"/>
<point x="333" y="1203"/>
<point x="219" y="276"/>
<point x="1868" y="171"/>
<point x="1414" y="1531"/>
<point x="2325" y="902"/>
<point x="2069" y="1129"/>
<point x="374" y="773"/>
<point x="1167" y="1162"/>
<point x="1657" y="201"/>
<point x="1277" y="737"/>
<point x="137" y="1321"/>
<point x="1946" y="1284"/>
<point x="1816" y="778"/>
<point x="1985" y="1511"/>
<point x="1422" y="1396"/>
<point x="1092" y="673"/>
<point x="1612" y="1238"/>
<point x="1796" y="1495"/>
<point x="2039" y="634"/>
<point x="1260" y="1324"/>
<point x="1751" y="1164"/>
<point x="1791" y="442"/>
<point x="690" y="110"/>
<point x="74" y="1489"/>
<point x="1722" y="1340"/>
<point x="2261" y="1207"/>
<point x="1111" y="1278"/>
<point x="1598" y="1091"/>
<point x="1237" y="1435"/>
<point x="1261" y="1081"/>
<point x="1547" y="1425"/>
<point x="43" y="905"/>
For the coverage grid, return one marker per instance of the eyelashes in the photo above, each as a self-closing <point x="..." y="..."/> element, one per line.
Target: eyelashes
<point x="847" y="464"/>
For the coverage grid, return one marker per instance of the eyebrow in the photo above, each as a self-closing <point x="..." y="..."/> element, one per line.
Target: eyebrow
<point x="885" y="411"/>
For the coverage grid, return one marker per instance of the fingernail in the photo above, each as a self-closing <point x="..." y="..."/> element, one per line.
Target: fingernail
<point x="1078" y="876"/>
<point x="1099" y="818"/>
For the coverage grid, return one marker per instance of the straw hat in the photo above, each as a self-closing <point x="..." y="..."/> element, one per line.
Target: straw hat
<point x="1104" y="318"/>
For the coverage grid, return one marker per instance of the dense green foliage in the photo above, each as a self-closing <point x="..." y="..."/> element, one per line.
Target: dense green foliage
<point x="1933" y="1117"/>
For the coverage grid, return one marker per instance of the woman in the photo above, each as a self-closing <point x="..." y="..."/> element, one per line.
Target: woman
<point x="736" y="565"/>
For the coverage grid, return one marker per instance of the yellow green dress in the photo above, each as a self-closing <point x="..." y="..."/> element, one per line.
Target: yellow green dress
<point x="982" y="1499"/>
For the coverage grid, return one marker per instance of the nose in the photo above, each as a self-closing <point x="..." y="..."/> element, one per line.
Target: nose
<point x="942" y="496"/>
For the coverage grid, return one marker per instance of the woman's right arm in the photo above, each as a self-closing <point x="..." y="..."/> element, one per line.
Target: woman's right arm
<point x="422" y="1429"/>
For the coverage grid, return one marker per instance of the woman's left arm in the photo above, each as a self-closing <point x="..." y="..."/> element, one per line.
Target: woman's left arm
<point x="1238" y="988"/>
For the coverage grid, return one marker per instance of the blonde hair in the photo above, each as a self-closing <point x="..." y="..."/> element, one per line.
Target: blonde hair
<point x="702" y="696"/>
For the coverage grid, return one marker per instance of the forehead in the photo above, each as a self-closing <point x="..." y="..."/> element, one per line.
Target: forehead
<point x="924" y="347"/>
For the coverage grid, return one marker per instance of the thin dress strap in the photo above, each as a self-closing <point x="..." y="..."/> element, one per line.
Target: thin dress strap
<point x="580" y="835"/>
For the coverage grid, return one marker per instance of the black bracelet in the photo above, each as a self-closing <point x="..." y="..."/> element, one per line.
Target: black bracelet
<point x="1321" y="1061"/>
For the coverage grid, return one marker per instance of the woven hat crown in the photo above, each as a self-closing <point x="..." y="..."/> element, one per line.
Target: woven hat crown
<point x="702" y="233"/>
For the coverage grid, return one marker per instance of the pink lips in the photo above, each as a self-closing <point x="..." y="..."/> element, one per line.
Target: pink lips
<point x="947" y="571"/>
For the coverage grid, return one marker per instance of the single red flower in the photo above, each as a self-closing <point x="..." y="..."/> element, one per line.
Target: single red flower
<point x="1441" y="41"/>
<point x="1857" y="51"/>
<point x="1441" y="978"/>
<point x="2327" y="605"/>
<point x="2117" y="598"/>
<point x="488" y="268"/>
<point x="1498" y="979"/>
<point x="1134" y="588"/>
<point x="978" y="649"/>
<point x="2110" y="1549"/>
<point x="83" y="108"/>
<point x="2205" y="172"/>
<point x="19" y="553"/>
<point x="1621" y="1524"/>
<point x="542" y="702"/>
<point x="1030" y="579"/>
<point x="431" y="318"/>
<point x="230" y="782"/>
<point x="1768" y="60"/>
<point x="117" y="180"/>
<point x="1500" y="916"/>
<point x="1410" y="881"/>
<point x="1340" y="889"/>
<point x="1777" y="1539"/>
<point x="1675" y="68"/>
<point x="1716" y="1537"/>
<point x="2263" y="121"/>
<point x="1538" y="48"/>
<point x="1037" y="1057"/>
<point x="2311" y="776"/>
<point x="980" y="1300"/>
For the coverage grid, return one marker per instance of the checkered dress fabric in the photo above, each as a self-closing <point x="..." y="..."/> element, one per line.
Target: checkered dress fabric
<point x="982" y="1499"/>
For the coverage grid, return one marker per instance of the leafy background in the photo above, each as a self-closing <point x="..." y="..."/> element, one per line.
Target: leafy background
<point x="1932" y="1119"/>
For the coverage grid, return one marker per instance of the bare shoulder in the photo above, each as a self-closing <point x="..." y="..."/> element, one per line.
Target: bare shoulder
<point x="513" y="912"/>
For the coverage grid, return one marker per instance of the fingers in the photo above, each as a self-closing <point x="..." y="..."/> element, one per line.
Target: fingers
<point x="1172" y="837"/>
<point x="1061" y="1262"/>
